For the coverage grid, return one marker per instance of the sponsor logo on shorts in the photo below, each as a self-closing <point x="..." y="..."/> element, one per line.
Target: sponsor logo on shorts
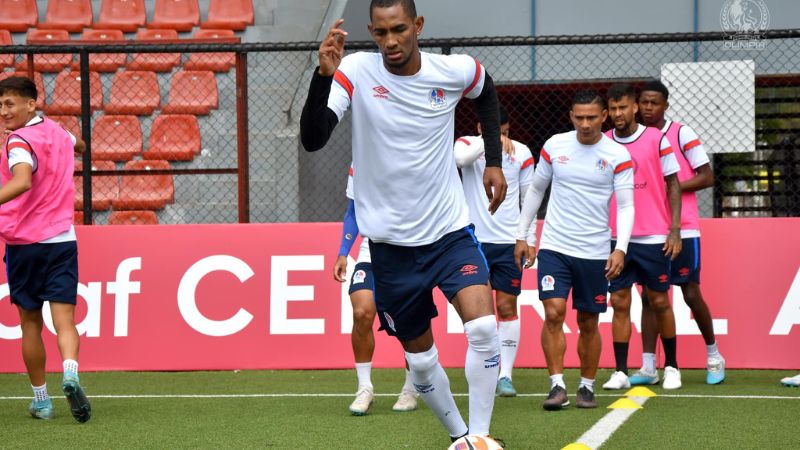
<point x="548" y="283"/>
<point x="423" y="388"/>
<point x="469" y="269"/>
<point x="515" y="282"/>
<point x="359" y="277"/>
<point x="683" y="271"/>
<point x="389" y="321"/>
<point x="600" y="299"/>
<point x="494" y="361"/>
<point x="508" y="343"/>
<point x="663" y="278"/>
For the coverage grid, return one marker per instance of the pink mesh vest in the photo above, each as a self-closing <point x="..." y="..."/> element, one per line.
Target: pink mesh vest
<point x="690" y="218"/>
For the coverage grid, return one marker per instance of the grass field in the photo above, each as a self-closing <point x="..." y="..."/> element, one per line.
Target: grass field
<point x="308" y="410"/>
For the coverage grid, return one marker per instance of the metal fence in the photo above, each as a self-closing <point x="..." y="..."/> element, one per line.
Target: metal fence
<point x="208" y="132"/>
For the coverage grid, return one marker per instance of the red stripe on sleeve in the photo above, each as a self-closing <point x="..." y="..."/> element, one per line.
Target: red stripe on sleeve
<point x="351" y="172"/>
<point x="691" y="145"/>
<point x="464" y="140"/>
<point x="342" y="79"/>
<point x="527" y="163"/>
<point x="19" y="145"/>
<point x="475" y="79"/>
<point x="666" y="151"/>
<point x="545" y="156"/>
<point x="623" y="166"/>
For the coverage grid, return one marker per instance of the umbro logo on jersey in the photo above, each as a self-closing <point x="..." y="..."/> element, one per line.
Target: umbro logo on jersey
<point x="562" y="159"/>
<point x="469" y="269"/>
<point x="380" y="92"/>
<point x="437" y="98"/>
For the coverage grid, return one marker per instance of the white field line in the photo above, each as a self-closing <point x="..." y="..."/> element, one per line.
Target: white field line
<point x="321" y="395"/>
<point x="605" y="427"/>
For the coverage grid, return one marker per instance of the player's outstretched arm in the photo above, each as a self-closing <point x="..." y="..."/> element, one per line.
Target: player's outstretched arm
<point x="625" y="214"/>
<point x="672" y="247"/>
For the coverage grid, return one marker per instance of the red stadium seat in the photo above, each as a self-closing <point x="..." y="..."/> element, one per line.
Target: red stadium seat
<point x="229" y="14"/>
<point x="46" y="62"/>
<point x="105" y="188"/>
<point x="37" y="80"/>
<point x="18" y="15"/>
<point x="134" y="92"/>
<point x="124" y="15"/>
<point x="145" y="191"/>
<point x="70" y="123"/>
<point x="181" y="15"/>
<point x="218" y="62"/>
<point x="174" y="138"/>
<point x="70" y="15"/>
<point x="157" y="62"/>
<point x="6" y="60"/>
<point x="104" y="62"/>
<point x="79" y="218"/>
<point x="67" y="93"/>
<point x="192" y="92"/>
<point x="133" y="218"/>
<point x="116" y="138"/>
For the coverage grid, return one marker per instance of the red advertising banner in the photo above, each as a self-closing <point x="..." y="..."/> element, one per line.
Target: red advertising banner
<point x="261" y="296"/>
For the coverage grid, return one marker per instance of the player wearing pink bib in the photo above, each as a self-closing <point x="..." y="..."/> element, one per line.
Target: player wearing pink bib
<point x="695" y="174"/>
<point x="656" y="234"/>
<point x="37" y="194"/>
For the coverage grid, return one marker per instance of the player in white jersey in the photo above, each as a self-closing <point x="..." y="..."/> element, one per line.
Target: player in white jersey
<point x="363" y="303"/>
<point x="585" y="168"/>
<point x="408" y="196"/>
<point x="497" y="233"/>
<point x="696" y="174"/>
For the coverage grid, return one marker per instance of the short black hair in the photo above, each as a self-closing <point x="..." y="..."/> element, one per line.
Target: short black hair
<point x="586" y="97"/>
<point x="503" y="113"/>
<point x="620" y="90"/>
<point x="408" y="5"/>
<point x="656" y="86"/>
<point x="22" y="86"/>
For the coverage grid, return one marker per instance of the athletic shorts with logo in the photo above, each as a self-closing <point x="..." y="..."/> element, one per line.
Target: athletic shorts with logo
<point x="686" y="267"/>
<point x="504" y="275"/>
<point x="405" y="278"/>
<point x="362" y="278"/>
<point x="586" y="278"/>
<point x="646" y="265"/>
<point x="38" y="273"/>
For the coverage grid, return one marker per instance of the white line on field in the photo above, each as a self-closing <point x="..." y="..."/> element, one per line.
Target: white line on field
<point x="605" y="427"/>
<point x="299" y="395"/>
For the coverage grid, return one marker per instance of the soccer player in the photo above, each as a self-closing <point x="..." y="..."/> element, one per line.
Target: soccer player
<point x="363" y="302"/>
<point x="585" y="168"/>
<point x="408" y="196"/>
<point x="497" y="233"/>
<point x="656" y="235"/>
<point x="41" y="255"/>
<point x="695" y="174"/>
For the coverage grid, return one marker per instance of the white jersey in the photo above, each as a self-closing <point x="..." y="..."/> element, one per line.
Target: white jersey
<point x="499" y="228"/>
<point x="583" y="179"/>
<point x="407" y="190"/>
<point x="363" y="251"/>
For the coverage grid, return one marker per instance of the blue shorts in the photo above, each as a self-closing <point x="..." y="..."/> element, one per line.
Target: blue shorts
<point x="646" y="265"/>
<point x="560" y="273"/>
<point x="405" y="278"/>
<point x="503" y="272"/>
<point x="38" y="273"/>
<point x="362" y="278"/>
<point x="686" y="267"/>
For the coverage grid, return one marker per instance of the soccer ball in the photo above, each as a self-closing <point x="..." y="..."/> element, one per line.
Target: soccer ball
<point x="475" y="442"/>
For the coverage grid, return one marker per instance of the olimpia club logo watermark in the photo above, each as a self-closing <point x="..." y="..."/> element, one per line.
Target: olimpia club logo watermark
<point x="744" y="23"/>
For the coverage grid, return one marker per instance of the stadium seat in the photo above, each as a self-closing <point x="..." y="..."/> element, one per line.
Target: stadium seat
<point x="70" y="123"/>
<point x="174" y="138"/>
<point x="78" y="218"/>
<point x="105" y="188"/>
<point x="116" y="138"/>
<point x="124" y="15"/>
<point x="104" y="62"/>
<point x="18" y="15"/>
<point x="66" y="97"/>
<point x="6" y="60"/>
<point x="133" y="218"/>
<point x="37" y="80"/>
<point x="46" y="62"/>
<point x="134" y="92"/>
<point x="145" y="191"/>
<point x="229" y="14"/>
<point x="181" y="15"/>
<point x="70" y="15"/>
<point x="157" y="62"/>
<point x="218" y="62"/>
<point x="192" y="92"/>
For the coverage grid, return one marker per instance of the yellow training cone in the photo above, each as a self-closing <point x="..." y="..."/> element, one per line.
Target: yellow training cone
<point x="640" y="391"/>
<point x="577" y="446"/>
<point x="625" y="403"/>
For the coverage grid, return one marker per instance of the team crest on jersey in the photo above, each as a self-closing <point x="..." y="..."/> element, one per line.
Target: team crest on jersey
<point x="437" y="98"/>
<point x="602" y="165"/>
<point x="359" y="276"/>
<point x="548" y="283"/>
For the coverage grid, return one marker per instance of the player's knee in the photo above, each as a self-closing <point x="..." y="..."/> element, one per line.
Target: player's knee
<point x="363" y="317"/>
<point x="423" y="362"/>
<point x="621" y="304"/>
<point x="659" y="302"/>
<point x="554" y="317"/>
<point x="507" y="311"/>
<point x="482" y="334"/>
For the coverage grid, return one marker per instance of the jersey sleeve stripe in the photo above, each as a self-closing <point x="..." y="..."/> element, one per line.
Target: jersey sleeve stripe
<point x="343" y="81"/>
<point x="350" y="172"/>
<point x="20" y="145"/>
<point x="623" y="166"/>
<point x="527" y="163"/>
<point x="666" y="151"/>
<point x="545" y="156"/>
<point x="691" y="145"/>
<point x="464" y="140"/>
<point x="475" y="79"/>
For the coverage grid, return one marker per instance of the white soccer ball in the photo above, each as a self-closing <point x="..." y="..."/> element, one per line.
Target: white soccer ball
<point x="475" y="442"/>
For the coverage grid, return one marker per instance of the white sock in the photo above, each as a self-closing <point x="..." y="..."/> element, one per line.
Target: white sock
<point x="589" y="384"/>
<point x="40" y="392"/>
<point x="509" y="342"/>
<point x="557" y="379"/>
<point x="481" y="368"/>
<point x="362" y="372"/>
<point x="431" y="382"/>
<point x="408" y="386"/>
<point x="70" y="365"/>
<point x="649" y="362"/>
<point x="712" y="351"/>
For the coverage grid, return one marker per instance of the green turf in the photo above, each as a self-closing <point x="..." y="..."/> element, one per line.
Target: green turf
<point x="324" y="422"/>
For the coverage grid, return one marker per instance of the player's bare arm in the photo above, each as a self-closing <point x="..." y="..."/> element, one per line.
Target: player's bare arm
<point x="702" y="179"/>
<point x="21" y="181"/>
<point x="331" y="50"/>
<point x="673" y="245"/>
<point x="80" y="146"/>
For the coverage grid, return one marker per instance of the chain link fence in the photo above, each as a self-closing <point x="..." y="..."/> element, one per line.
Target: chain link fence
<point x="208" y="133"/>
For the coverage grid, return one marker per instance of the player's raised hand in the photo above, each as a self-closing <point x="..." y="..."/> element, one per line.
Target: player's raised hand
<point x="331" y="50"/>
<point x="524" y="255"/>
<point x="494" y="182"/>
<point x="674" y="245"/>
<point x="340" y="269"/>
<point x="615" y="264"/>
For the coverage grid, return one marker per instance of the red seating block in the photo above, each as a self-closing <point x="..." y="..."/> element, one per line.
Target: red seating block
<point x="192" y="92"/>
<point x="174" y="138"/>
<point x="181" y="15"/>
<point x="70" y="15"/>
<point x="133" y="218"/>
<point x="134" y="92"/>
<point x="116" y="138"/>
<point x="145" y="191"/>
<point x="18" y="15"/>
<point x="46" y="62"/>
<point x="124" y="15"/>
<point x="157" y="62"/>
<point x="104" y="62"/>
<point x="105" y="188"/>
<point x="6" y="60"/>
<point x="218" y="62"/>
<point x="229" y="14"/>
<point x="67" y="94"/>
<point x="70" y="123"/>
